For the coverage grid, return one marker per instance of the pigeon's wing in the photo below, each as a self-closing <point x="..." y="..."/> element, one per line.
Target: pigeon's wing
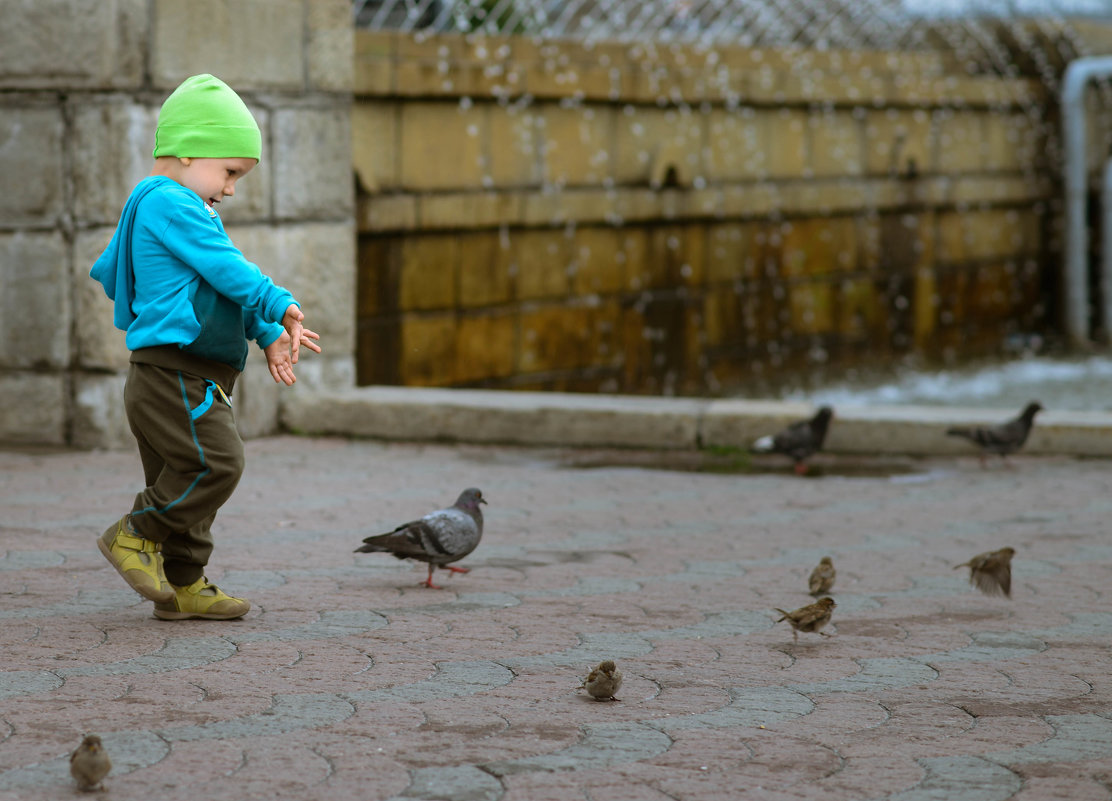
<point x="414" y="540"/>
<point x="1007" y="436"/>
<point x="439" y="537"/>
<point x="455" y="532"/>
<point x="994" y="439"/>
<point x="797" y="440"/>
<point x="1002" y="439"/>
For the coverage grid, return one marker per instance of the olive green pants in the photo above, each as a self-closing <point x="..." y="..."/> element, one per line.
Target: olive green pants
<point x="192" y="458"/>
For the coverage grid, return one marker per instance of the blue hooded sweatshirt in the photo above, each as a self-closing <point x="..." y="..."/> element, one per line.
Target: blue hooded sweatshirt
<point x="177" y="279"/>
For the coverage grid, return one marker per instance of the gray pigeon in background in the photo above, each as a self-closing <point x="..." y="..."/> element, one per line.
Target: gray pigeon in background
<point x="439" y="538"/>
<point x="799" y="441"/>
<point x="1000" y="439"/>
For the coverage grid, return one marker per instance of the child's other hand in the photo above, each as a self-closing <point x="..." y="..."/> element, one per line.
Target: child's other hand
<point x="298" y="334"/>
<point x="281" y="354"/>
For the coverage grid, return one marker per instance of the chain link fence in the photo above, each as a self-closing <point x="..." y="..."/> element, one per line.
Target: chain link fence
<point x="833" y="24"/>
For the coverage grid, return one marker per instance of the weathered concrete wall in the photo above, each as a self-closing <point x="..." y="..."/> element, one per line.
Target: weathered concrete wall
<point x="81" y="82"/>
<point x="623" y="218"/>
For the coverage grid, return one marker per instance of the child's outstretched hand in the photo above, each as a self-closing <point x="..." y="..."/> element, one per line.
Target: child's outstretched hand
<point x="282" y="353"/>
<point x="299" y="335"/>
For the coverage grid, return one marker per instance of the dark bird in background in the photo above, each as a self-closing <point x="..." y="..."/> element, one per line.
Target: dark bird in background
<point x="1000" y="439"/>
<point x="800" y="440"/>
<point x="89" y="764"/>
<point x="991" y="572"/>
<point x="810" y="618"/>
<point x="439" y="538"/>
<point x="822" y="577"/>
<point x="604" y="681"/>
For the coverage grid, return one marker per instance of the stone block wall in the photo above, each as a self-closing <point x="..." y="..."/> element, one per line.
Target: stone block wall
<point x="81" y="82"/>
<point x="675" y="220"/>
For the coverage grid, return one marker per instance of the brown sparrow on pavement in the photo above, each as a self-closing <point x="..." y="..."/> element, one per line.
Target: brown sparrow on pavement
<point x="809" y="618"/>
<point x="822" y="577"/>
<point x="89" y="763"/>
<point x="604" y="681"/>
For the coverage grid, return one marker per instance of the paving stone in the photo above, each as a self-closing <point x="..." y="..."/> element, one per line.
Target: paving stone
<point x="349" y="680"/>
<point x="967" y="777"/>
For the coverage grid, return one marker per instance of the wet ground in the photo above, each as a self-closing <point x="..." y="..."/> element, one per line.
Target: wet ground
<point x="735" y="461"/>
<point x="1075" y="384"/>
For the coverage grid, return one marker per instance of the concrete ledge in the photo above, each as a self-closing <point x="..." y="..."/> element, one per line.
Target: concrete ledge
<point x="624" y="421"/>
<point x="490" y="416"/>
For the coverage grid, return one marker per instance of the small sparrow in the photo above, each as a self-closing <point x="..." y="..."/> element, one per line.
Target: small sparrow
<point x="1001" y="439"/>
<point x="809" y="618"/>
<point x="604" y="681"/>
<point x="822" y="577"/>
<point x="89" y="764"/>
<point x="991" y="572"/>
<point x="799" y="441"/>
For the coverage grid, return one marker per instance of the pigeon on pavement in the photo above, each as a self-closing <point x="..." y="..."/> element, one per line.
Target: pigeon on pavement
<point x="800" y="440"/>
<point x="1000" y="439"/>
<point x="822" y="577"/>
<point x="810" y="618"/>
<point x="604" y="681"/>
<point x="439" y="538"/>
<point x="991" y="572"/>
<point x="89" y="764"/>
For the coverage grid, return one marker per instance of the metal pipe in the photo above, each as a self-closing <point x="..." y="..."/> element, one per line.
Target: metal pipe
<point x="1076" y="273"/>
<point x="1106" y="250"/>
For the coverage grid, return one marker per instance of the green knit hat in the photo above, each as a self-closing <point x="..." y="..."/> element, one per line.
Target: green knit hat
<point x="205" y="118"/>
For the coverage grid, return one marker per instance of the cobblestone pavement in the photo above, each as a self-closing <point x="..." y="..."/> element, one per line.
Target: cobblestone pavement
<point x="347" y="680"/>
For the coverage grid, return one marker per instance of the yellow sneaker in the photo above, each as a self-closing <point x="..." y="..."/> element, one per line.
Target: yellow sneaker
<point x="138" y="560"/>
<point x="201" y="600"/>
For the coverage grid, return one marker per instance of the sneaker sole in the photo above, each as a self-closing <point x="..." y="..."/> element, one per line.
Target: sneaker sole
<point x="158" y="596"/>
<point x="162" y="614"/>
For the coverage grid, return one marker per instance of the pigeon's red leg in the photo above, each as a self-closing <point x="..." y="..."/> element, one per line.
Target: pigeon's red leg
<point x="456" y="569"/>
<point x="801" y="468"/>
<point x="428" y="582"/>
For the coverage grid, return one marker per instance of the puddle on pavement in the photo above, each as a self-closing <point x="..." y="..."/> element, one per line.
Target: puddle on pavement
<point x="545" y="558"/>
<point x="738" y="462"/>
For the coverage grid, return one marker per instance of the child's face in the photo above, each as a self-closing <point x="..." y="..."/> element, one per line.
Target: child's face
<point x="212" y="179"/>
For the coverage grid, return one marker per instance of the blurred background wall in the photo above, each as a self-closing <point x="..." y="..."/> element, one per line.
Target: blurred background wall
<point x="678" y="219"/>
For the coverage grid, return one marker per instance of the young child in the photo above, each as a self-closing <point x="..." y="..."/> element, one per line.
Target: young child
<point x="189" y="301"/>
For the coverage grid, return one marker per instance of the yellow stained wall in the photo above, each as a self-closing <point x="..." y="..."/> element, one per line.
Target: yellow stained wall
<point x="639" y="219"/>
